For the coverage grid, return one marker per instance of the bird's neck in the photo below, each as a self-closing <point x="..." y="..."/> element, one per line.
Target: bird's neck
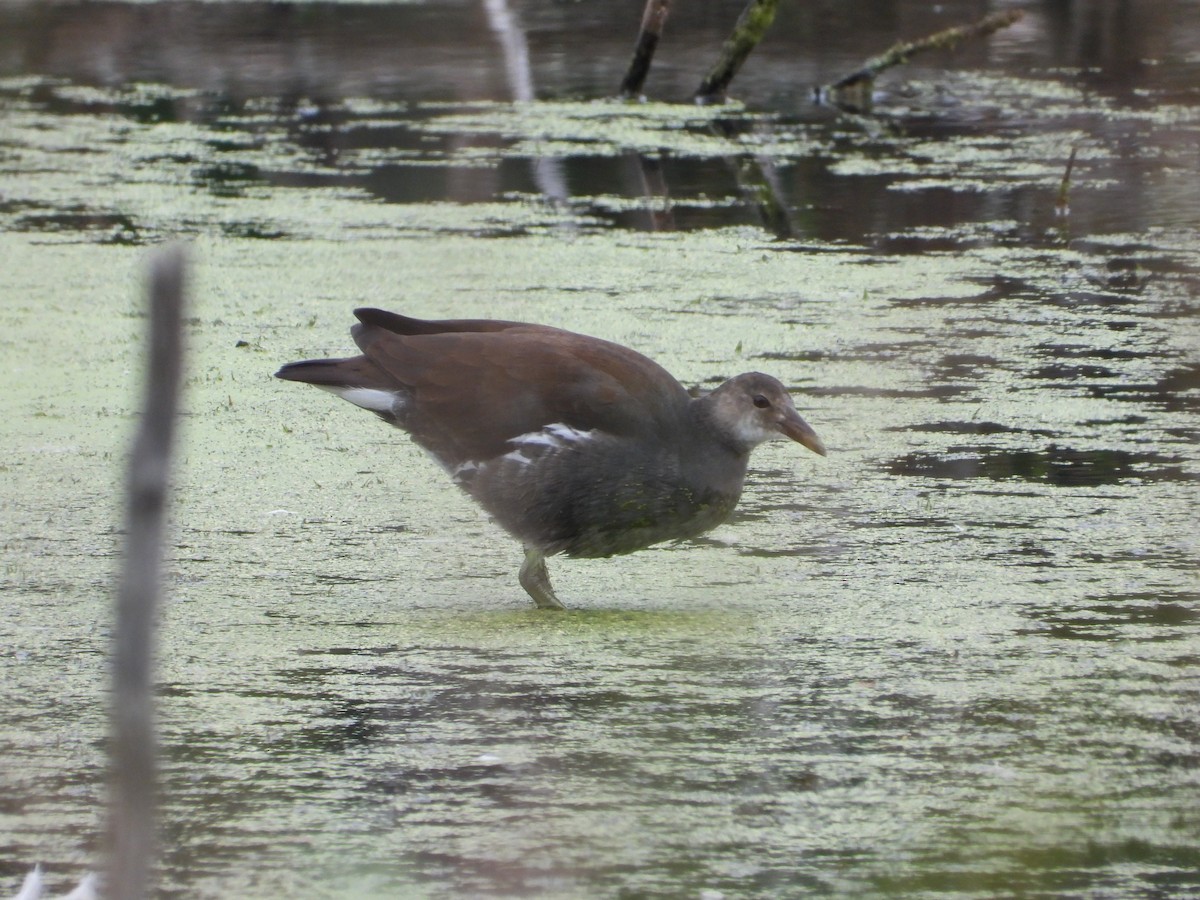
<point x="711" y="431"/>
<point x="712" y="456"/>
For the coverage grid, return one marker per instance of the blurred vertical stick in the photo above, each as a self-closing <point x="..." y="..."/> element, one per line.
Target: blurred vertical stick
<point x="132" y="823"/>
<point x="653" y="19"/>
<point x="751" y="25"/>
<point x="1062" y="206"/>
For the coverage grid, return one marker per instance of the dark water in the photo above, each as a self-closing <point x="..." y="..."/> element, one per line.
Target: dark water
<point x="958" y="658"/>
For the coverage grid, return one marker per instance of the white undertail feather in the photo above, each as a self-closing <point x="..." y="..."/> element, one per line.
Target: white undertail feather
<point x="374" y="399"/>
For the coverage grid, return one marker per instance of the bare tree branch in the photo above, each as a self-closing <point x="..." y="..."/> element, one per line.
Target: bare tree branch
<point x="653" y="19"/>
<point x="858" y="83"/>
<point x="751" y="25"/>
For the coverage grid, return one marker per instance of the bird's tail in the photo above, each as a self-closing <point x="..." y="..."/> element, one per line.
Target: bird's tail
<point x="356" y="380"/>
<point x="356" y="371"/>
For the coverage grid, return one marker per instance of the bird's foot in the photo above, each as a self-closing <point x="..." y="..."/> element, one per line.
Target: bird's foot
<point x="536" y="580"/>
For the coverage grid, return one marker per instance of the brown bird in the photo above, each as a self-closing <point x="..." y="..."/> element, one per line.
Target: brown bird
<point x="575" y="445"/>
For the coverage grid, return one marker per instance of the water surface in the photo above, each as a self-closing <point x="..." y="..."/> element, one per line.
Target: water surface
<point x="956" y="658"/>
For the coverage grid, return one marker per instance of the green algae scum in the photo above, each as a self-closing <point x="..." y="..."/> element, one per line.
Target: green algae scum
<point x="958" y="658"/>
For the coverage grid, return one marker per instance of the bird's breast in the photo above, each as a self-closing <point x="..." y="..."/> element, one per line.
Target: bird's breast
<point x="583" y="492"/>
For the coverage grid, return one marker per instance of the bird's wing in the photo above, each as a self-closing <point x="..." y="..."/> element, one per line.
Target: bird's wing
<point x="469" y="392"/>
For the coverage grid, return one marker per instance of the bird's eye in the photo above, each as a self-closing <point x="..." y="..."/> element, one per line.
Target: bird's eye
<point x="761" y="402"/>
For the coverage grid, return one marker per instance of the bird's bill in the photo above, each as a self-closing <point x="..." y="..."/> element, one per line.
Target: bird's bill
<point x="801" y="432"/>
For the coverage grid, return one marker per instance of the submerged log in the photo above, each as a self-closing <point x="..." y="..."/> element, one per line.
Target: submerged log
<point x="653" y="19"/>
<point x="751" y="25"/>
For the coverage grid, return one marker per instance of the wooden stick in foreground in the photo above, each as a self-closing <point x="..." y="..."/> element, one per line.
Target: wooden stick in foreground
<point x="653" y="19"/>
<point x="751" y="25"/>
<point x="132" y="819"/>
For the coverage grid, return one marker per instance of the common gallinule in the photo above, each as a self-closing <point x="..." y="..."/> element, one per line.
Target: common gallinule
<point x="574" y="444"/>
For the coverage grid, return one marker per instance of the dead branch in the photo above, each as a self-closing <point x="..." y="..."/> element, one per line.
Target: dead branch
<point x="751" y="25"/>
<point x="856" y="83"/>
<point x="653" y="19"/>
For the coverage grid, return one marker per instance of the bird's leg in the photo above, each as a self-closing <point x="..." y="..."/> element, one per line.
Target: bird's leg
<point x="536" y="580"/>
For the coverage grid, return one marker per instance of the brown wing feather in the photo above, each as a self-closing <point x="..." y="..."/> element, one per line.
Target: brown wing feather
<point x="398" y="324"/>
<point x="469" y="391"/>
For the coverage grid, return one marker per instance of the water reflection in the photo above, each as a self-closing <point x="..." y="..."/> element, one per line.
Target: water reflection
<point x="309" y="64"/>
<point x="1128" y="617"/>
<point x="1055" y="465"/>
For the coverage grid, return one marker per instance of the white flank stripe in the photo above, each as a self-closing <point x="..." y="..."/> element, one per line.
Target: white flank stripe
<point x="518" y="457"/>
<point x="567" y="433"/>
<point x="535" y="438"/>
<point x="462" y="470"/>
<point x="557" y="435"/>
